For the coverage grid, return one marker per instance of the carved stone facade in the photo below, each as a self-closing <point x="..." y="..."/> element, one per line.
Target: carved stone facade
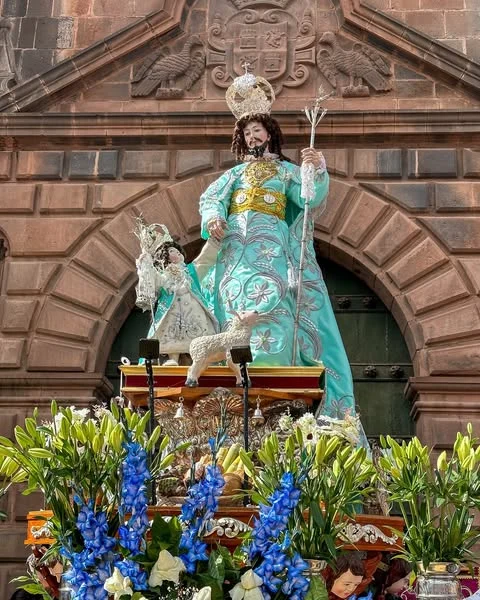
<point x="134" y="121"/>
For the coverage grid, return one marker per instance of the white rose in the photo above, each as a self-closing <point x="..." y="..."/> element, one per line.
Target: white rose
<point x="203" y="594"/>
<point x="118" y="585"/>
<point x="167" y="568"/>
<point x="248" y="588"/>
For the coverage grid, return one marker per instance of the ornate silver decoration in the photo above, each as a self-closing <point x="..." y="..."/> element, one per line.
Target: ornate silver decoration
<point x="42" y="531"/>
<point x="354" y="532"/>
<point x="226" y="527"/>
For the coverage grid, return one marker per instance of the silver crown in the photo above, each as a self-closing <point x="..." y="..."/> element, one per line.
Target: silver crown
<point x="250" y="94"/>
<point x="149" y="237"/>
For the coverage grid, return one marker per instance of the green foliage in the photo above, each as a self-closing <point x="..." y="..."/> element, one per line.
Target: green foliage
<point x="75" y="453"/>
<point x="32" y="586"/>
<point x="437" y="503"/>
<point x="317" y="589"/>
<point x="337" y="477"/>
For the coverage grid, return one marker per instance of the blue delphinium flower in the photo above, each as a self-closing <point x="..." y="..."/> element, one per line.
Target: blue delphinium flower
<point x="296" y="584"/>
<point x="91" y="567"/>
<point x="134" y="501"/>
<point x="273" y="518"/>
<point x="199" y="506"/>
<point x="269" y="547"/>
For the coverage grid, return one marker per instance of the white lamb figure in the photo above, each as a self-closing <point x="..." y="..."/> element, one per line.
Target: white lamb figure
<point x="209" y="349"/>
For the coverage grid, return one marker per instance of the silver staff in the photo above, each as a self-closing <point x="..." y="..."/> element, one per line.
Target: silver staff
<point x="314" y="115"/>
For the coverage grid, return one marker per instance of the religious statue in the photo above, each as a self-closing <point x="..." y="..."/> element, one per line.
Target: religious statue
<point x="171" y="290"/>
<point x="344" y="578"/>
<point x="266" y="261"/>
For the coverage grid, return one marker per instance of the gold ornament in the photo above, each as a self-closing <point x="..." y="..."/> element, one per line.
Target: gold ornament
<point x="257" y="173"/>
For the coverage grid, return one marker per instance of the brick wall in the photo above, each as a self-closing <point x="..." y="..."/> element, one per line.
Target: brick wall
<point x="44" y="32"/>
<point x="452" y="22"/>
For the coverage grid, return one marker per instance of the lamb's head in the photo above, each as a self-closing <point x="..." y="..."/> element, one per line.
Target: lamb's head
<point x="245" y="318"/>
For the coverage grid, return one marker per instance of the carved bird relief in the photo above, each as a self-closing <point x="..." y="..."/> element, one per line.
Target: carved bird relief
<point x="361" y="64"/>
<point x="161" y="71"/>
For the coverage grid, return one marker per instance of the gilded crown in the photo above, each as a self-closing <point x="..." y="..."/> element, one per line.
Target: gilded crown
<point x="250" y="94"/>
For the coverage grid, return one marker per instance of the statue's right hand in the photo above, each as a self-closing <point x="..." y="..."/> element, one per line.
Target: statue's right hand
<point x="216" y="228"/>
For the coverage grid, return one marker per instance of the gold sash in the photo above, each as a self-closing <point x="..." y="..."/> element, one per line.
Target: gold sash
<point x="259" y="199"/>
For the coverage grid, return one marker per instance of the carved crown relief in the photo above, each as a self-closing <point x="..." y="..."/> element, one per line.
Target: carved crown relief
<point x="286" y="47"/>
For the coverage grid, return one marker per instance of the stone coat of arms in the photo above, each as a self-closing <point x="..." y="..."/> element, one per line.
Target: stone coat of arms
<point x="271" y="40"/>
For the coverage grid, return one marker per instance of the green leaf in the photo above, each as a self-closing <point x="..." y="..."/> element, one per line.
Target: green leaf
<point x="40" y="453"/>
<point x="317" y="589"/>
<point x="216" y="566"/>
<point x="317" y="515"/>
<point x="165" y="535"/>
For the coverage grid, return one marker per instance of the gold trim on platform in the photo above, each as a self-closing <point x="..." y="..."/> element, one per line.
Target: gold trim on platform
<point x="224" y="371"/>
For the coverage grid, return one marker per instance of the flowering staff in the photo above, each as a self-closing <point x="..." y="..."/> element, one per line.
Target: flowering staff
<point x="314" y="115"/>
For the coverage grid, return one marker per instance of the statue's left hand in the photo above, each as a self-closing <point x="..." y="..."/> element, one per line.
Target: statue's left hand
<point x="312" y="156"/>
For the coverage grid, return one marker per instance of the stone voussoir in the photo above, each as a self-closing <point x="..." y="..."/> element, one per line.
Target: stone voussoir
<point x="424" y="258"/>
<point x="391" y="238"/>
<point x="50" y="355"/>
<point x="78" y="288"/>
<point x="64" y="321"/>
<point x="444" y="289"/>
<point x="458" y="322"/>
<point x="365" y="211"/>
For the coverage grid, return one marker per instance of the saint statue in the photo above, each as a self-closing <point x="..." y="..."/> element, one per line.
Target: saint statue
<point x="255" y="212"/>
<point x="171" y="290"/>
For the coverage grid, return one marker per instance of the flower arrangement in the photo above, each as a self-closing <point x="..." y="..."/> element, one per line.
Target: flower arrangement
<point x="95" y="473"/>
<point x="330" y="474"/>
<point x="438" y="502"/>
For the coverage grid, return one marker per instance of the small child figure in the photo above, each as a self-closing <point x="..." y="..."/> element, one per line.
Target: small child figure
<point x="171" y="290"/>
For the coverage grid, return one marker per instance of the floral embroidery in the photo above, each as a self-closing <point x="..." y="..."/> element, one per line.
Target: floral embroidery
<point x="263" y="340"/>
<point x="260" y="293"/>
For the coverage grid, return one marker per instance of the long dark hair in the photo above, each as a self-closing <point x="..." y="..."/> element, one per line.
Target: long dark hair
<point x="240" y="148"/>
<point x="161" y="255"/>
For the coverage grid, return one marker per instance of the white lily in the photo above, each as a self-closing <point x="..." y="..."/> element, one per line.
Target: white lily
<point x="118" y="585"/>
<point x="167" y="568"/>
<point x="248" y="588"/>
<point x="203" y="594"/>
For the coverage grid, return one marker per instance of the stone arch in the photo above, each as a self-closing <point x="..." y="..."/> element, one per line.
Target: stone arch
<point x="429" y="291"/>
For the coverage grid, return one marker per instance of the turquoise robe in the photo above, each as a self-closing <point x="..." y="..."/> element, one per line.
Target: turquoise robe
<point x="257" y="269"/>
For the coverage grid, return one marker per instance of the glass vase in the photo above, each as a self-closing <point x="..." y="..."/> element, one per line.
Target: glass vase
<point x="64" y="591"/>
<point x="438" y="582"/>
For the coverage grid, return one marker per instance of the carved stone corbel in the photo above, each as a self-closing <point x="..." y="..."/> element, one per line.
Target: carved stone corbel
<point x="8" y="70"/>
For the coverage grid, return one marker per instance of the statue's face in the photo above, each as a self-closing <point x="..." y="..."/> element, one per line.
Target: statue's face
<point x="345" y="584"/>
<point x="255" y="134"/>
<point x="398" y="586"/>
<point x="175" y="256"/>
